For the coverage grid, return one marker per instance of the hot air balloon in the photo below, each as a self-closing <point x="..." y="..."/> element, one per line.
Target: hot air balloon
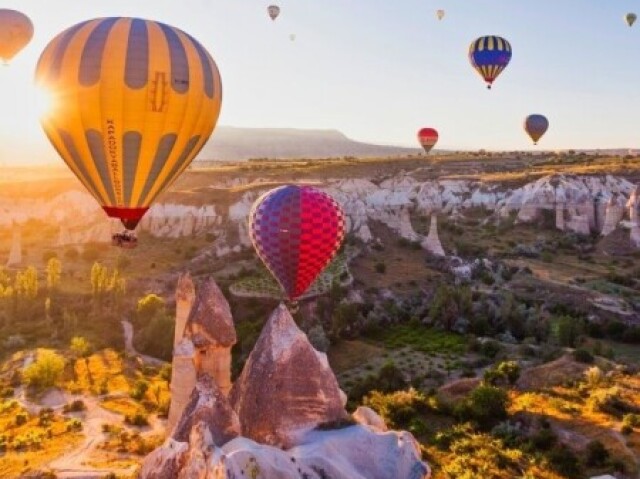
<point x="274" y="11"/>
<point x="536" y="126"/>
<point x="135" y="101"/>
<point x="427" y="137"/>
<point x="292" y="37"/>
<point x="16" y="30"/>
<point x="490" y="55"/>
<point x="440" y="14"/>
<point x="630" y="18"/>
<point x="296" y="231"/>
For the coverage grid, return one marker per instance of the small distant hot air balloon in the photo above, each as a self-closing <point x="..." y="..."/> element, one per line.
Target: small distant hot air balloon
<point x="490" y="55"/>
<point x="135" y="101"/>
<point x="440" y="14"/>
<point x="292" y="37"/>
<point x="630" y="18"/>
<point x="536" y="126"/>
<point x="428" y="137"/>
<point x="274" y="11"/>
<point x="16" y="30"/>
<point x="296" y="231"/>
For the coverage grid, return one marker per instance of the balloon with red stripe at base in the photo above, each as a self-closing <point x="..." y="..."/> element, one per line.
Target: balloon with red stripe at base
<point x="296" y="231"/>
<point x="427" y="137"/>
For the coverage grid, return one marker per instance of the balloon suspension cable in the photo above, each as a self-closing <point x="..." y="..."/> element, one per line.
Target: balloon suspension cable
<point x="293" y="306"/>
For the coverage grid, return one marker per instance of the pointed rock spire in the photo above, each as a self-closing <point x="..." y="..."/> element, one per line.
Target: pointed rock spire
<point x="285" y="386"/>
<point x="210" y="406"/>
<point x="210" y="321"/>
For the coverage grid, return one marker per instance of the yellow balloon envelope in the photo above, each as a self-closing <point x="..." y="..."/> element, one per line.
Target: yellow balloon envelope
<point x="134" y="102"/>
<point x="16" y="30"/>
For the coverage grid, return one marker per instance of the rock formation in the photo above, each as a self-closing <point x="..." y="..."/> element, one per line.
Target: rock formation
<point x="613" y="214"/>
<point x="286" y="386"/>
<point x="286" y="389"/>
<point x="15" y="253"/>
<point x="185" y="295"/>
<point x="183" y="380"/>
<point x="209" y="406"/>
<point x="203" y="340"/>
<point x="210" y="328"/>
<point x="579" y="203"/>
<point x="432" y="241"/>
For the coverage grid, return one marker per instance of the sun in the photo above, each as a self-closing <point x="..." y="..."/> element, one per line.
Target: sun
<point x="43" y="102"/>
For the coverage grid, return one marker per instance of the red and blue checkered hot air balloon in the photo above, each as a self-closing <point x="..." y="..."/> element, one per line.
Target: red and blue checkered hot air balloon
<point x="490" y="55"/>
<point x="296" y="231"/>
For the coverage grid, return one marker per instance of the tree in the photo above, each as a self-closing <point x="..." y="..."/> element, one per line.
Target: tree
<point x="80" y="346"/>
<point x="54" y="270"/>
<point x="45" y="371"/>
<point x="568" y="330"/>
<point x="510" y="370"/>
<point x="486" y="405"/>
<point x="26" y="283"/>
<point x="156" y="338"/>
<point x="148" y="307"/>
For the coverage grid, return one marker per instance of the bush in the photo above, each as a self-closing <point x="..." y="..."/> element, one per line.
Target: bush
<point x="564" y="461"/>
<point x="486" y="405"/>
<point x="137" y="419"/>
<point x="583" y="356"/>
<point x="139" y="389"/>
<point x="597" y="454"/>
<point x="45" y="371"/>
<point x="21" y="418"/>
<point x="73" y="425"/>
<point x="75" y="406"/>
<point x="490" y="349"/>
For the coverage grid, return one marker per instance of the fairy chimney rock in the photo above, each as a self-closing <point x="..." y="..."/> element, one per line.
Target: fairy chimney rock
<point x="15" y="254"/>
<point x="185" y="295"/>
<point x="286" y="386"/>
<point x="209" y="406"/>
<point x="613" y="215"/>
<point x="634" y="206"/>
<point x="432" y="241"/>
<point x="183" y="380"/>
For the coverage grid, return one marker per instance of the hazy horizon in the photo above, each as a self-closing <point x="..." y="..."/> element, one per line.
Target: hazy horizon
<point x="341" y="73"/>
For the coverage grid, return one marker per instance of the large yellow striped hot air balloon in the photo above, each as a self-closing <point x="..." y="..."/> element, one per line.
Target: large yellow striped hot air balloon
<point x="134" y="102"/>
<point x="16" y="30"/>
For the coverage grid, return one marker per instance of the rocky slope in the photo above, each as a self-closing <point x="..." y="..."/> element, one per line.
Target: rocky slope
<point x="583" y="204"/>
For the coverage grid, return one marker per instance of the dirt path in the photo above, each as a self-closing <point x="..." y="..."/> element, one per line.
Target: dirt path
<point x="127" y="329"/>
<point x="73" y="463"/>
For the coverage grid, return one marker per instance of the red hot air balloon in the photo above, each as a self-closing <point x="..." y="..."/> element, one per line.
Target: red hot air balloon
<point x="296" y="231"/>
<point x="428" y="137"/>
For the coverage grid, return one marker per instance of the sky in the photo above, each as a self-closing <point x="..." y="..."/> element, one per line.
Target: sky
<point x="378" y="70"/>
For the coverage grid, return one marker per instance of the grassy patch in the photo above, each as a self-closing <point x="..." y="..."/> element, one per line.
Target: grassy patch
<point x="426" y="340"/>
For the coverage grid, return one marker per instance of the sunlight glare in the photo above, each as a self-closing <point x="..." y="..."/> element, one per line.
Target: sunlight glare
<point x="43" y="102"/>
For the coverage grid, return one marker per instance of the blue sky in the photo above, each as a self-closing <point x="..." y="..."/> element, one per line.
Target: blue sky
<point x="378" y="70"/>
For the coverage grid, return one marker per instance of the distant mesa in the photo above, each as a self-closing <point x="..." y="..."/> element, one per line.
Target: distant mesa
<point x="236" y="144"/>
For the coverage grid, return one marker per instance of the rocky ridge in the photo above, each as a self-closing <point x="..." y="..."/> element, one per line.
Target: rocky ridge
<point x="582" y="204"/>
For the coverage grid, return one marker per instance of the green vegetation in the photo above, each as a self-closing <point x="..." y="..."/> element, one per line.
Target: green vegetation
<point x="45" y="371"/>
<point x="421" y="338"/>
